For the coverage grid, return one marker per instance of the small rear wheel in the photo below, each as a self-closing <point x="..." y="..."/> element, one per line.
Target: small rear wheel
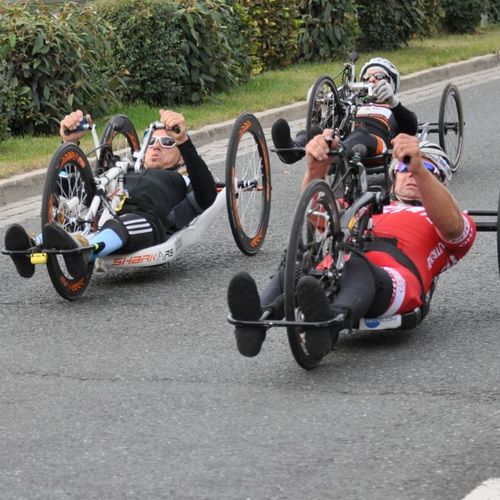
<point x="119" y="141"/>
<point x="451" y="125"/>
<point x="323" y="106"/>
<point x="248" y="184"/>
<point x="498" y="233"/>
<point x="67" y="195"/>
<point x="312" y="250"/>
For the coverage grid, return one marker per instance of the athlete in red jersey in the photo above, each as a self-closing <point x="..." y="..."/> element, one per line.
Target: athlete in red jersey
<point x="421" y="234"/>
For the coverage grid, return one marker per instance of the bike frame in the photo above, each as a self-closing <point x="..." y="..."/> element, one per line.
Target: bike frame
<point x="111" y="185"/>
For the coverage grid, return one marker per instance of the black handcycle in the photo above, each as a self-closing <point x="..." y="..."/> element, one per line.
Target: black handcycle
<point x="335" y="108"/>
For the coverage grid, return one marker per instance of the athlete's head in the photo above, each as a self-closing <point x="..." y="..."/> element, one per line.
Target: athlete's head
<point x="380" y="68"/>
<point x="434" y="159"/>
<point x="162" y="151"/>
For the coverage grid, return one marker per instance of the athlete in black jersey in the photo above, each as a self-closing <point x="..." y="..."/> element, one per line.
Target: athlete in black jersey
<point x="160" y="200"/>
<point x="376" y="123"/>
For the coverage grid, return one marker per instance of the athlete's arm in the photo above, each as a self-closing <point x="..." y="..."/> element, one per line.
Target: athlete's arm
<point x="441" y="207"/>
<point x="406" y="120"/>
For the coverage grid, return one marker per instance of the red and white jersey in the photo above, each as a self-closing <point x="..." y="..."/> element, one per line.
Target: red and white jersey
<point x="419" y="239"/>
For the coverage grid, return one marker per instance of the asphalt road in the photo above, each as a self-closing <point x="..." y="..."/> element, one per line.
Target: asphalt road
<point x="137" y="390"/>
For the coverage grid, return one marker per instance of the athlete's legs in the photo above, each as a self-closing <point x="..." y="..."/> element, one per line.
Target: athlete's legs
<point x="365" y="289"/>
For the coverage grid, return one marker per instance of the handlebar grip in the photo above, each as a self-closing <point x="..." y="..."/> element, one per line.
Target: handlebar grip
<point x="83" y="125"/>
<point x="160" y="125"/>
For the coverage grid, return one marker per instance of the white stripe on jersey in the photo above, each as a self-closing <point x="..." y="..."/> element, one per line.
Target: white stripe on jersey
<point x="398" y="291"/>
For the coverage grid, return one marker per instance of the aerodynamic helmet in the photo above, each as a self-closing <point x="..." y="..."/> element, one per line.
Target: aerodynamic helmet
<point x="434" y="153"/>
<point x="387" y="66"/>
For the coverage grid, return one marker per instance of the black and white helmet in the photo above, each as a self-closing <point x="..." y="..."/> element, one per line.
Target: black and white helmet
<point x="434" y="153"/>
<point x="387" y="66"/>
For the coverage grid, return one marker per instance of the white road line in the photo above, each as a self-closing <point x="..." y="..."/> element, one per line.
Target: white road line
<point x="488" y="490"/>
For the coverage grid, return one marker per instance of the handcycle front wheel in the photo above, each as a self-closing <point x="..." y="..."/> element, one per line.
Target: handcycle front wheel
<point x="119" y="140"/>
<point x="248" y="184"/>
<point x="312" y="250"/>
<point x="323" y="106"/>
<point x="67" y="195"/>
<point x="451" y="125"/>
<point x="498" y="233"/>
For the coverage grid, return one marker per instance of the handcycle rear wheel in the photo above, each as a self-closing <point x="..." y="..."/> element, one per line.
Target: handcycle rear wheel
<point x="323" y="106"/>
<point x="119" y="140"/>
<point x="248" y="184"/>
<point x="67" y="195"/>
<point x="312" y="250"/>
<point x="451" y="125"/>
<point x="498" y="233"/>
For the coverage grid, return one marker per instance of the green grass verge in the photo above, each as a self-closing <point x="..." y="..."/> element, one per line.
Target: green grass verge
<point x="269" y="90"/>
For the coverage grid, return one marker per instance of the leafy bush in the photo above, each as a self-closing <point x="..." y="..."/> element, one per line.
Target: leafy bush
<point x="215" y="47"/>
<point x="274" y="32"/>
<point x="330" y="29"/>
<point x="6" y="100"/>
<point x="463" y="16"/>
<point x="176" y="51"/>
<point x="148" y="48"/>
<point x="56" y="62"/>
<point x="433" y="17"/>
<point x="493" y="11"/>
<point x="389" y="24"/>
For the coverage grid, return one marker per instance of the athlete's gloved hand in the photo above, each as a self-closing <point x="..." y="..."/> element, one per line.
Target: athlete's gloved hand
<point x="384" y="93"/>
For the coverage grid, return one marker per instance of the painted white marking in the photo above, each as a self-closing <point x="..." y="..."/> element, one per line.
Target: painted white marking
<point x="488" y="490"/>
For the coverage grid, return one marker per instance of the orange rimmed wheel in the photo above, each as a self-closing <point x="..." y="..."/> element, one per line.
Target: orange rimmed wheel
<point x="67" y="196"/>
<point x="248" y="184"/>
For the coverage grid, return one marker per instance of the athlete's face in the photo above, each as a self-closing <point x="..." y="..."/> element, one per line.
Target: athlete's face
<point x="405" y="187"/>
<point x="161" y="155"/>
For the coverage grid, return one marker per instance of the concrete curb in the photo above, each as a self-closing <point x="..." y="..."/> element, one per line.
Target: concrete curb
<point x="31" y="184"/>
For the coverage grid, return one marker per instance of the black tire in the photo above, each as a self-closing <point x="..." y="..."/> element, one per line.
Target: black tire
<point x="498" y="233"/>
<point x="323" y="106"/>
<point x="314" y="235"/>
<point x="248" y="184"/>
<point x="451" y="125"/>
<point x="67" y="195"/>
<point x="118" y="141"/>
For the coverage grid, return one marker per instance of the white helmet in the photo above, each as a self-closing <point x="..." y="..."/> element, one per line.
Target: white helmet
<point x="436" y="155"/>
<point x="387" y="66"/>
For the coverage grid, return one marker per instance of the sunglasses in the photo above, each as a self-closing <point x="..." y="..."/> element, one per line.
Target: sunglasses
<point x="403" y="167"/>
<point x="377" y="76"/>
<point x="165" y="142"/>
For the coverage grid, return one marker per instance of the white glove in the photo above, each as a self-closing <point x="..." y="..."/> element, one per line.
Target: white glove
<point x="383" y="93"/>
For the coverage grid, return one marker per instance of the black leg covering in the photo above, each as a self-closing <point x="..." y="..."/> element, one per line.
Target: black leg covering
<point x="365" y="289"/>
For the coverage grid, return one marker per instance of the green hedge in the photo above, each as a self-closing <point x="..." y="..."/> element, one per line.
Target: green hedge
<point x="177" y="51"/>
<point x="6" y="99"/>
<point x="148" y="49"/>
<point x="389" y="24"/>
<point x="273" y="32"/>
<point x="463" y="16"/>
<point x="215" y="46"/>
<point x="57" y="62"/>
<point x="330" y="29"/>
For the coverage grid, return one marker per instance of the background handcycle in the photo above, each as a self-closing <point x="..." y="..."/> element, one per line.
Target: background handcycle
<point x="80" y="194"/>
<point x="335" y="108"/>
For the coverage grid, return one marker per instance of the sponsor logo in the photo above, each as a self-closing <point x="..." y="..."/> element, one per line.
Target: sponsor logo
<point x="150" y="258"/>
